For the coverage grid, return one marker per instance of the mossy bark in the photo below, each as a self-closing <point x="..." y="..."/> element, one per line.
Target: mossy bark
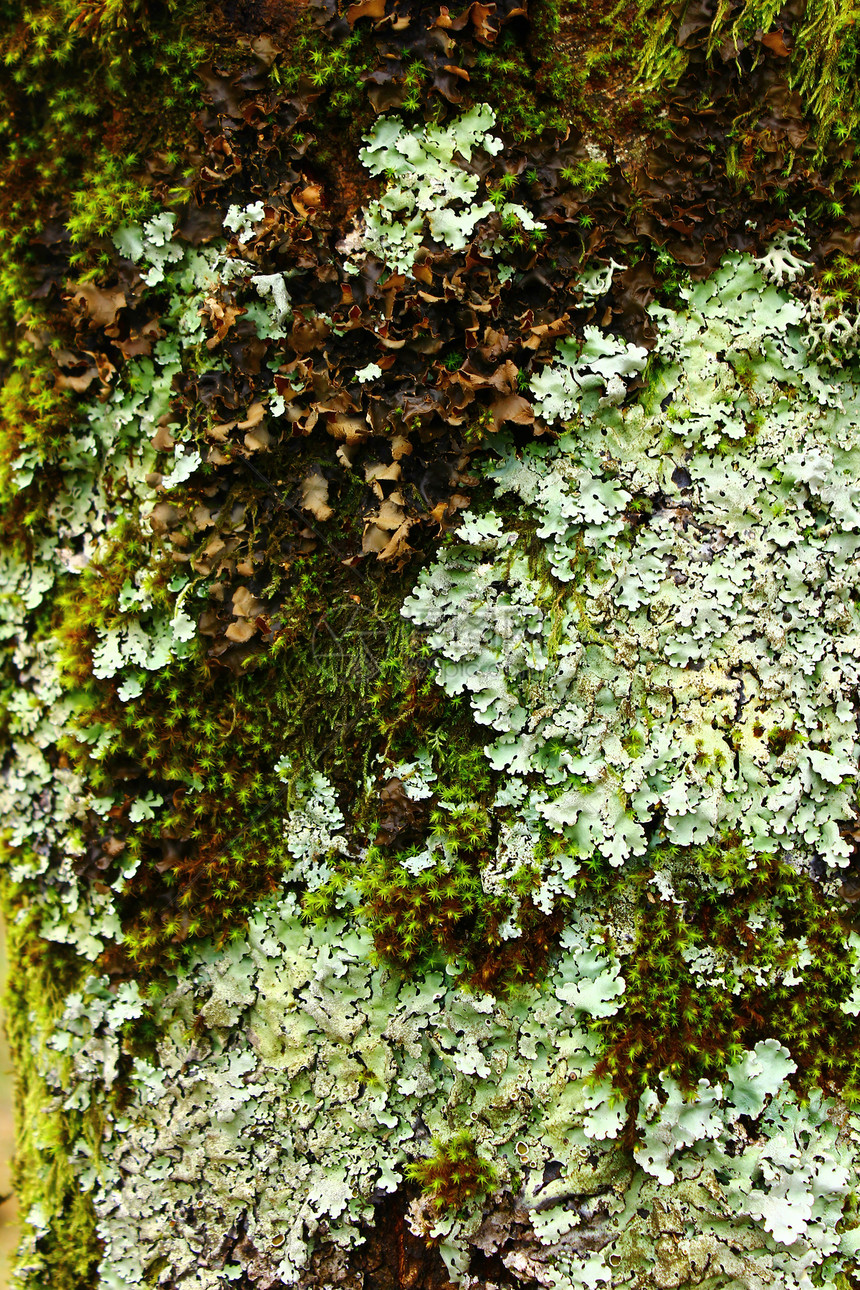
<point x="312" y="981"/>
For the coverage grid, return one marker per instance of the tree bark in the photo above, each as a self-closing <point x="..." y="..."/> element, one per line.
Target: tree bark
<point x="430" y="482"/>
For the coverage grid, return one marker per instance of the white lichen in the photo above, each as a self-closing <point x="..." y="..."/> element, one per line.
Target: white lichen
<point x="686" y="642"/>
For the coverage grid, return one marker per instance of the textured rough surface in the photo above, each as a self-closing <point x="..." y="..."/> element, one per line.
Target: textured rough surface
<point x="430" y="481"/>
<point x="699" y="546"/>
<point x="312" y="1080"/>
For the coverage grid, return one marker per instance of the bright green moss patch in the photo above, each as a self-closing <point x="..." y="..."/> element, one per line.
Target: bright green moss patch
<point x="431" y="903"/>
<point x="455" y="1176"/>
<point x="574" y="70"/>
<point x="88" y="95"/>
<point x="34" y="414"/>
<point x="59" y="1245"/>
<point x="732" y="947"/>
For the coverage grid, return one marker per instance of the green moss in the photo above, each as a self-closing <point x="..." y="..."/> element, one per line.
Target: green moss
<point x="455" y="1176"/>
<point x="426" y="903"/>
<point x="334" y="70"/>
<point x="535" y="86"/>
<point x="749" y="916"/>
<point x="823" y="50"/>
<point x="34" y="414"/>
<point x="588" y="175"/>
<point x="504" y="77"/>
<point x="572" y="69"/>
<point x="60" y="1248"/>
<point x="88" y="93"/>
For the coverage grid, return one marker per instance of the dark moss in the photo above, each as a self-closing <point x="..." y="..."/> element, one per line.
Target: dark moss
<point x="67" y="1254"/>
<point x="755" y="914"/>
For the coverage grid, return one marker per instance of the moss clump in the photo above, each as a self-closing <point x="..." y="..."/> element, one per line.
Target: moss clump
<point x="334" y="69"/>
<point x="455" y="1176"/>
<point x="34" y="414"/>
<point x="442" y="912"/>
<point x="822" y="49"/>
<point x="89" y="92"/>
<point x="774" y="949"/>
<point x="666" y="1022"/>
<point x="419" y="884"/>
<point x="572" y="68"/>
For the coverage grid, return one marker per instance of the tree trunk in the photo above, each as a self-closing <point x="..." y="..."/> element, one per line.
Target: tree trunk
<point x="430" y="484"/>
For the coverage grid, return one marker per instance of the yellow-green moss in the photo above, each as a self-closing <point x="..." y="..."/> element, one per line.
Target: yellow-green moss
<point x="66" y="1255"/>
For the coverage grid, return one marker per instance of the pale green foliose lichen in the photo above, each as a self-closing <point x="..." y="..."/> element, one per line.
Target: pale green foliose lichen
<point x="430" y="190"/>
<point x="312" y="1079"/>
<point x="685" y="643"/>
